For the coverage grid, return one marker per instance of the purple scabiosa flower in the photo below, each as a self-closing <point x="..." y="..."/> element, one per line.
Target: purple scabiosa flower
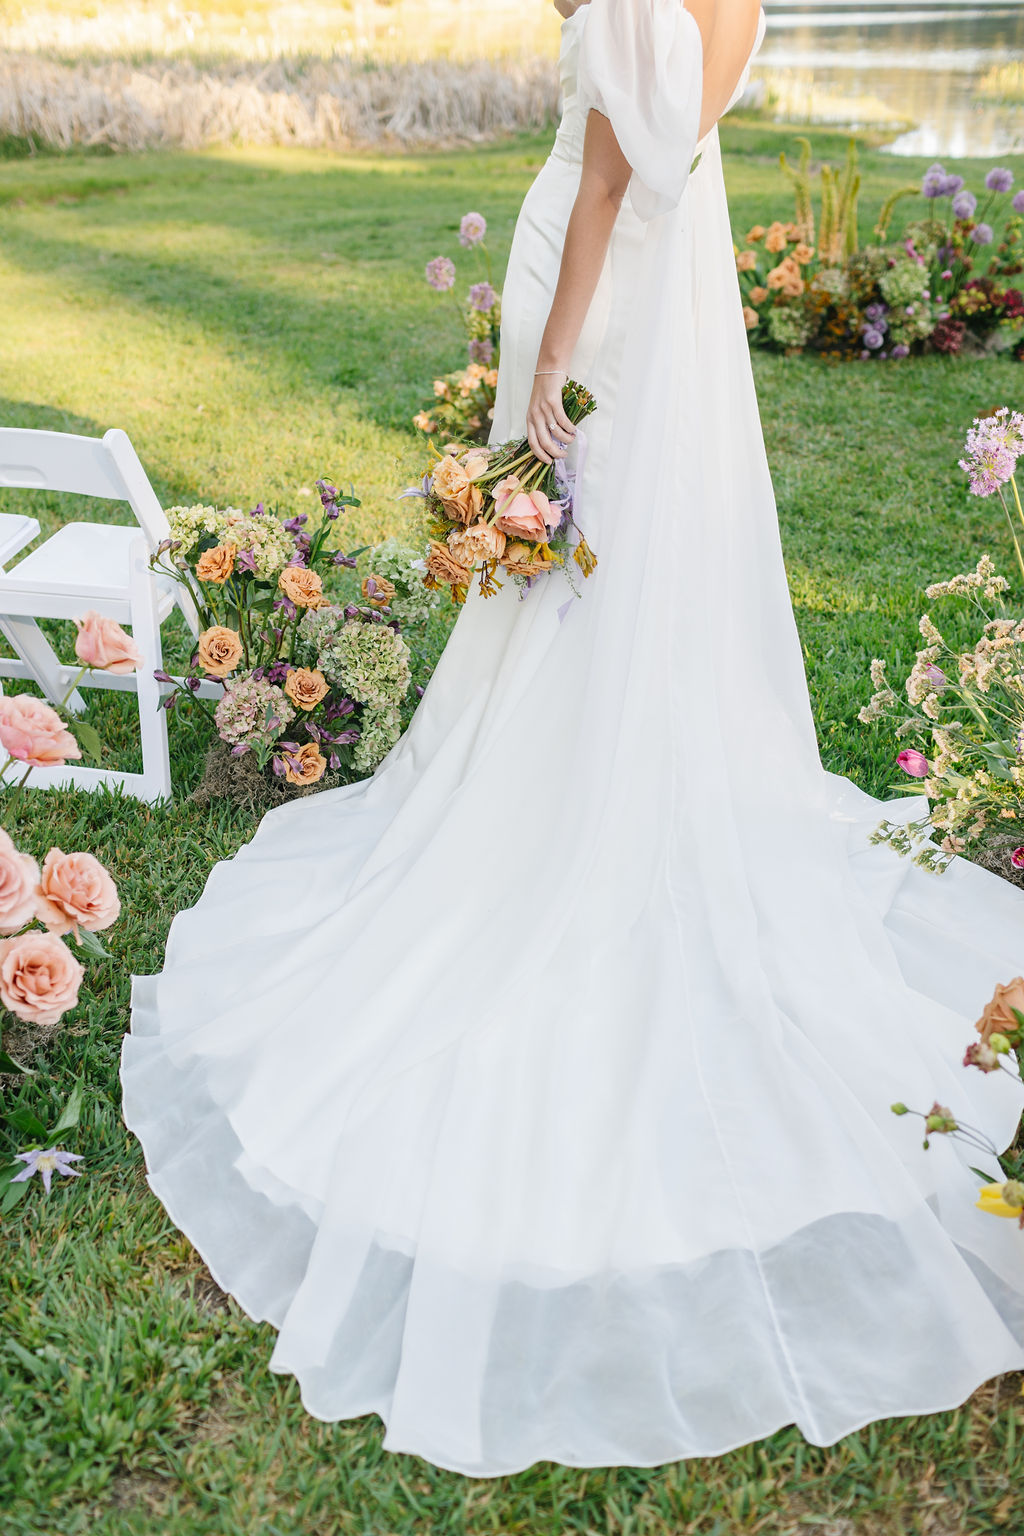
<point x="900" y="350"/>
<point x="482" y="297"/>
<point x="981" y="234"/>
<point x="46" y="1161"/>
<point x="999" y="179"/>
<point x="441" y="273"/>
<point x="472" y="229"/>
<point x="873" y="338"/>
<point x="481" y="350"/>
<point x="1018" y="202"/>
<point x="913" y="762"/>
<point x="964" y="204"/>
<point x="931" y="182"/>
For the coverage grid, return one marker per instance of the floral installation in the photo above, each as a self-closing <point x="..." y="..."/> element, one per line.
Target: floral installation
<point x="502" y="508"/>
<point x="463" y="402"/>
<point x="1000" y="1033"/>
<point x="940" y="286"/>
<point x="965" y="706"/>
<point x="310" y="686"/>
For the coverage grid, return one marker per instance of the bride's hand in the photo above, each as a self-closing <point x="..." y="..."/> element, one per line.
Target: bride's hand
<point x="548" y="429"/>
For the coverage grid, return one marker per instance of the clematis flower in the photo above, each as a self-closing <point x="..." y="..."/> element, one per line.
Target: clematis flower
<point x="46" y="1162"/>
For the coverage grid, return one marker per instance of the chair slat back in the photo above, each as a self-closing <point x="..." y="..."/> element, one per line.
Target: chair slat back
<point x="105" y="466"/>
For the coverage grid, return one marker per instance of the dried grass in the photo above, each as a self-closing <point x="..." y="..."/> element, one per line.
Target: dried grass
<point x="311" y="102"/>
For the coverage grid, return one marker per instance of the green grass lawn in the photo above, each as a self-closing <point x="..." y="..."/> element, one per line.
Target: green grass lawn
<point x="254" y="320"/>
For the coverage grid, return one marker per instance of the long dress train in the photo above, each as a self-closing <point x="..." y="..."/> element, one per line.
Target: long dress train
<point x="537" y="1088"/>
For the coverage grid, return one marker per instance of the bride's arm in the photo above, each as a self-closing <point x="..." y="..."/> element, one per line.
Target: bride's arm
<point x="603" y="182"/>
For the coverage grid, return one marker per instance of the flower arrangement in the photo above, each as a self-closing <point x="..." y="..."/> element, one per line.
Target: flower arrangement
<point x="806" y="285"/>
<point x="502" y="507"/>
<point x="966" y="707"/>
<point x="463" y="403"/>
<point x="1001" y="1032"/>
<point x="310" y="686"/>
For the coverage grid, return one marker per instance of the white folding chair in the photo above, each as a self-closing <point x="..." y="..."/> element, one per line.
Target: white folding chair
<point x="83" y="566"/>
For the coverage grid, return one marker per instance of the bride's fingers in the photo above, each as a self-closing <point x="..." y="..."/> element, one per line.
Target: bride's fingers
<point x="533" y="438"/>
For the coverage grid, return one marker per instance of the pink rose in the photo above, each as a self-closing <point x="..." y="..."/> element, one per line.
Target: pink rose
<point x="103" y="643"/>
<point x="33" y="732"/>
<point x="39" y="976"/>
<point x="19" y="875"/>
<point x="75" y="891"/>
<point x="527" y="516"/>
<point x="913" y="762"/>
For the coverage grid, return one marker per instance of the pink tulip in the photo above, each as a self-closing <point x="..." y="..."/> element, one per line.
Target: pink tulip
<point x="33" y="732"/>
<point x="913" y="762"/>
<point x="103" y="643"/>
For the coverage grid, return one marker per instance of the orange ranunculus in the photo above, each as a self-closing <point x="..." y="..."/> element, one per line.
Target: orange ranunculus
<point x="75" y="891"/>
<point x="218" y="564"/>
<point x="102" y="643"/>
<point x="220" y="650"/>
<point x="306" y="687"/>
<point x="310" y="764"/>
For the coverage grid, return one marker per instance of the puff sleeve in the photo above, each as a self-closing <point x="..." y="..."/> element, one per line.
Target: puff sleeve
<point x="641" y="65"/>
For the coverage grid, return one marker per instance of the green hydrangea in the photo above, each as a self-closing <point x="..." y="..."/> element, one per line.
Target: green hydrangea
<point x="911" y="315"/>
<point x="379" y="729"/>
<point x="789" y="325"/>
<point x="270" y="542"/>
<point x="192" y="524"/>
<point x="833" y="281"/>
<point x="404" y="568"/>
<point x="368" y="660"/>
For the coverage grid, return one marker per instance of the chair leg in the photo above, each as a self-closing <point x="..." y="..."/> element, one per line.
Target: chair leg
<point x="156" y="762"/>
<point x="41" y="661"/>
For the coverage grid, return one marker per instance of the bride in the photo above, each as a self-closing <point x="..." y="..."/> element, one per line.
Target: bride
<point x="537" y="1088"/>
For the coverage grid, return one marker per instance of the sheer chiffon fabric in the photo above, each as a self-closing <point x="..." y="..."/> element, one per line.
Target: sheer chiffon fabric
<point x="537" y="1088"/>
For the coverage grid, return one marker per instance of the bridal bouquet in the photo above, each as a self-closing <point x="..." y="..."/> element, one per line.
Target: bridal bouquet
<point x="502" y="507"/>
<point x="966" y="706"/>
<point x="308" y="685"/>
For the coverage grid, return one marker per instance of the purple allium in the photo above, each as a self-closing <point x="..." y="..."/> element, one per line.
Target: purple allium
<point x="913" y="762"/>
<point x="900" y="350"/>
<point x="875" y="312"/>
<point x="993" y="446"/>
<point x="481" y="350"/>
<point x="981" y="234"/>
<point x="999" y="179"/>
<point x="873" y="338"/>
<point x="964" y="204"/>
<point x="482" y="297"/>
<point x="441" y="273"/>
<point x="472" y="229"/>
<point x="951" y="186"/>
<point x="1018" y="203"/>
<point x="46" y="1161"/>
<point x="932" y="181"/>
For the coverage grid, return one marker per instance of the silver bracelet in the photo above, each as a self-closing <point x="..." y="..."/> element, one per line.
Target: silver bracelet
<point x="549" y="370"/>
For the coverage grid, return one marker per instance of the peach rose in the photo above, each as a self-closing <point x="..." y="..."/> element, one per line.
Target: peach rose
<point x="787" y="278"/>
<point x="997" y="1018"/>
<point x="481" y="542"/>
<point x="305" y="687"/>
<point x="19" y="875"/>
<point x="302" y="586"/>
<point x="756" y="234"/>
<point x="803" y="253"/>
<point x="775" y="238"/>
<point x="381" y="594"/>
<point x="526" y="516"/>
<point x="475" y="462"/>
<point x="750" y="317"/>
<point x="453" y="483"/>
<point x="312" y="764"/>
<point x="33" y="732"/>
<point x="39" y="976"/>
<point x="75" y="891"/>
<point x="520" y="560"/>
<point x="424" y="422"/>
<point x="103" y="643"/>
<point x="746" y="261"/>
<point x="444" y="567"/>
<point x="220" y="650"/>
<point x="757" y="295"/>
<point x="217" y="564"/>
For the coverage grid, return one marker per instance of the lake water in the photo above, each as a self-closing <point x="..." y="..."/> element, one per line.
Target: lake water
<point x="933" y="72"/>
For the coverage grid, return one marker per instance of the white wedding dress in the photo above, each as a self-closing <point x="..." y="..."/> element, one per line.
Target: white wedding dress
<point x="537" y="1088"/>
